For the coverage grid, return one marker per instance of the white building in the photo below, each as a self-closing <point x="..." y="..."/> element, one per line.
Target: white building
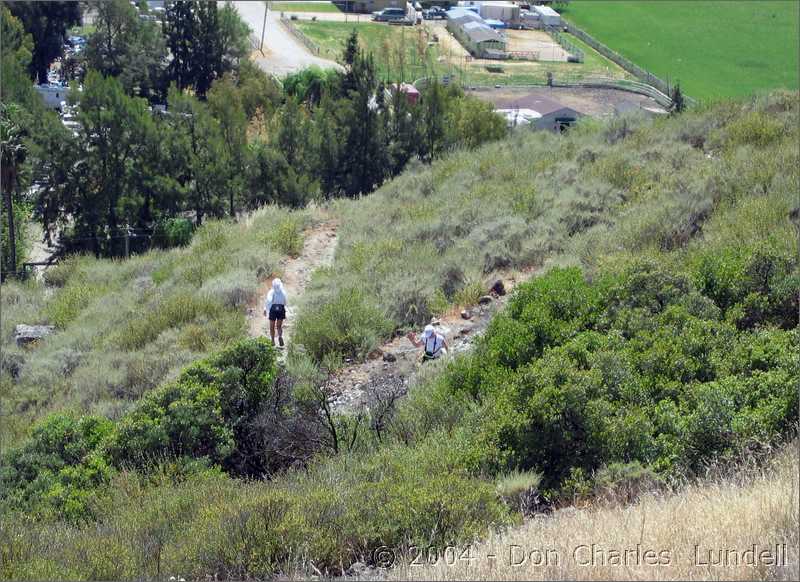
<point x="53" y="94"/>
<point x="547" y="15"/>
<point x="504" y="11"/>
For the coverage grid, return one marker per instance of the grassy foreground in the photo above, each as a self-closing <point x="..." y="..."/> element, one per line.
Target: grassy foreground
<point x="714" y="48"/>
<point x="758" y="508"/>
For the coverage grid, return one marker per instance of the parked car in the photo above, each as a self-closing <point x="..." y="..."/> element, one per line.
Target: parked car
<point x="435" y="13"/>
<point x="389" y="15"/>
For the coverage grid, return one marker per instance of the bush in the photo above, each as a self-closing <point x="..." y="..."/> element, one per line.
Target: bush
<point x="71" y="300"/>
<point x="634" y="367"/>
<point x="207" y="413"/>
<point x="174" y="232"/>
<point x="286" y="236"/>
<point x="201" y="523"/>
<point x="756" y="128"/>
<point x="349" y="324"/>
<point x="625" y="483"/>
<point x="754" y="285"/>
<point x="58" y="468"/>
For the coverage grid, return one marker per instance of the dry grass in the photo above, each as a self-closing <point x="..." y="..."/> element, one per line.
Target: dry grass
<point x="728" y="515"/>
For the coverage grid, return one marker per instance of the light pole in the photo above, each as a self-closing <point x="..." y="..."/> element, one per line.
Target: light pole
<point x="264" y="27"/>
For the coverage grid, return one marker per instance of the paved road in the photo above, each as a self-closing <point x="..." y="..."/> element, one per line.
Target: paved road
<point x="283" y="53"/>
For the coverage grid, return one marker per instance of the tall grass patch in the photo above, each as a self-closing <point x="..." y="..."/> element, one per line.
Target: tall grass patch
<point x="122" y="327"/>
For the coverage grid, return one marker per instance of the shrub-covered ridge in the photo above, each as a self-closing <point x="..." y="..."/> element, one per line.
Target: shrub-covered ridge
<point x="661" y="337"/>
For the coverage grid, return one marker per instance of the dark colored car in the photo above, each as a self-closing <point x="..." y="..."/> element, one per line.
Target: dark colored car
<point x="389" y="15"/>
<point x="435" y="13"/>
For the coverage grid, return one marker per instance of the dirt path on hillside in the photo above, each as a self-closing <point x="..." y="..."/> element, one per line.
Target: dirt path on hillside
<point x="319" y="245"/>
<point x="392" y="369"/>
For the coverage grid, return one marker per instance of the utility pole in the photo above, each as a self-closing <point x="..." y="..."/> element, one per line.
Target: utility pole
<point x="127" y="242"/>
<point x="264" y="27"/>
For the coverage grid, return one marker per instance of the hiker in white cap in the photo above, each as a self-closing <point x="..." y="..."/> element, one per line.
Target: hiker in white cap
<point x="275" y="309"/>
<point x="434" y="343"/>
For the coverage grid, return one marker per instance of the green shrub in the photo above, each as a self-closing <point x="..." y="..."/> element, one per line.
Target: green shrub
<point x="174" y="232"/>
<point x="59" y="274"/>
<point x="208" y="412"/>
<point x="755" y="285"/>
<point x="71" y="300"/>
<point x="58" y="468"/>
<point x="625" y="482"/>
<point x="634" y="367"/>
<point x="286" y="236"/>
<point x="170" y="312"/>
<point x="756" y="128"/>
<point x="349" y="324"/>
<point x="545" y="312"/>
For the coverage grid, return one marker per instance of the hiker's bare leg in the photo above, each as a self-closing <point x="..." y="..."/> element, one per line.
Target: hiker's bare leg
<point x="272" y="330"/>
<point x="280" y="328"/>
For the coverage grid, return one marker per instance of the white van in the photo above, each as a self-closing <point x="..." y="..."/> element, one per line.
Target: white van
<point x="53" y="94"/>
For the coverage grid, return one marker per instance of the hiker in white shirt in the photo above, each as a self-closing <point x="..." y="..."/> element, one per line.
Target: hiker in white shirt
<point x="275" y="309"/>
<point x="434" y="344"/>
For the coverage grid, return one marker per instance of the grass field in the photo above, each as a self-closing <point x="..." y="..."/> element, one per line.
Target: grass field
<point x="714" y="48"/>
<point x="384" y="42"/>
<point x="766" y="509"/>
<point x="304" y="7"/>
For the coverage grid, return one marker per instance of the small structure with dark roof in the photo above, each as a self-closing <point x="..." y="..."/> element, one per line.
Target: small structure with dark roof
<point x="552" y="115"/>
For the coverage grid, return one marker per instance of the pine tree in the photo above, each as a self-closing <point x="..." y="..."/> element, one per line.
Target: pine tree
<point x="678" y="104"/>
<point x="352" y="53"/>
<point x="433" y="107"/>
<point x="180" y="30"/>
<point x="47" y="23"/>
<point x="403" y="132"/>
<point x="14" y="151"/>
<point x="365" y="154"/>
<point x="208" y="47"/>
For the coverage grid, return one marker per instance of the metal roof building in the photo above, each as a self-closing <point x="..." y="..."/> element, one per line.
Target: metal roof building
<point x="480" y="39"/>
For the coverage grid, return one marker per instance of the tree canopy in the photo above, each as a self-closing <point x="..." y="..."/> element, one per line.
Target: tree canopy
<point x="47" y="23"/>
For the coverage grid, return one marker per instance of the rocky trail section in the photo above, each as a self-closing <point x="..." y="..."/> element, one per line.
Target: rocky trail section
<point x="391" y="370"/>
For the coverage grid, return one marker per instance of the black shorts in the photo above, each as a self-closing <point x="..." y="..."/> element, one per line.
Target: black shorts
<point x="277" y="312"/>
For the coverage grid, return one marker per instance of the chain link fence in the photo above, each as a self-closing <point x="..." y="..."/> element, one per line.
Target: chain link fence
<point x="642" y="74"/>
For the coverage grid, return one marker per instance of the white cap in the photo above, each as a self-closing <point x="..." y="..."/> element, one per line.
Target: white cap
<point x="429" y="331"/>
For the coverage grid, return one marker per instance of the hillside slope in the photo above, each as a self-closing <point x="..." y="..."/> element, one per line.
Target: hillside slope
<point x="433" y="237"/>
<point x="123" y="327"/>
<point x="660" y="337"/>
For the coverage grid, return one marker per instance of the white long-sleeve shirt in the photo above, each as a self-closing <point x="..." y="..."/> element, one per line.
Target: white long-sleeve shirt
<point x="274" y="298"/>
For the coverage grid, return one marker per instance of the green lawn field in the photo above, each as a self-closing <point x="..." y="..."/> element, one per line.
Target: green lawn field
<point x="375" y="38"/>
<point x="304" y="7"/>
<point x="714" y="48"/>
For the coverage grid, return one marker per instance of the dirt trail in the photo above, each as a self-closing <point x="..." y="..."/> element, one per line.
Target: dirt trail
<point x="392" y="368"/>
<point x="318" y="248"/>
